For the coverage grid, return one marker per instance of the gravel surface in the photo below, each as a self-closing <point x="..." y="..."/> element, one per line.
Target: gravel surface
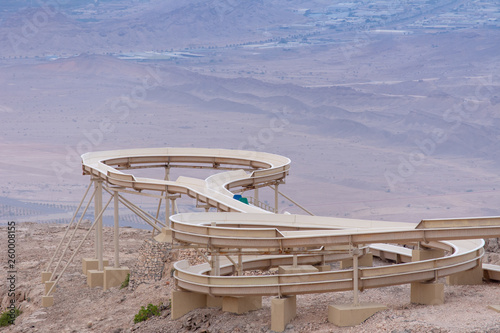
<point x="78" y="308"/>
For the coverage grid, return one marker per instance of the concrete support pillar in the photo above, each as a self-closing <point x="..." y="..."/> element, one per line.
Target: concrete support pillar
<point x="473" y="276"/>
<point x="352" y="315"/>
<point x="256" y="196"/>
<point x="214" y="302"/>
<point x="365" y="260"/>
<point x="46" y="276"/>
<point x="297" y="270"/>
<point x="184" y="301"/>
<point x="114" y="277"/>
<point x="49" y="285"/>
<point x="283" y="310"/>
<point x="91" y="264"/>
<point x="355" y="313"/>
<point x="427" y="293"/>
<point x="95" y="278"/>
<point x="241" y="305"/>
<point x="426" y="254"/>
<point x="47" y="301"/>
<point x="165" y="236"/>
<point x="324" y="268"/>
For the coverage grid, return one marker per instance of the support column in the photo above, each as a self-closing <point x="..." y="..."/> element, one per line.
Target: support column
<point x="427" y="293"/>
<point x="98" y="209"/>
<point x="355" y="276"/>
<point x="184" y="301"/>
<point x="256" y="196"/>
<point x="241" y="305"/>
<point x="276" y="192"/>
<point x="473" y="276"/>
<point x="94" y="269"/>
<point x="365" y="260"/>
<point x="167" y="210"/>
<point x="215" y="260"/>
<point x="240" y="264"/>
<point x="167" y="202"/>
<point x="356" y="313"/>
<point x="283" y="310"/>
<point x="96" y="213"/>
<point x="117" y="231"/>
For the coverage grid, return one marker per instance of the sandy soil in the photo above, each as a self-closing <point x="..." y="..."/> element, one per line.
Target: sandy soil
<point x="78" y="308"/>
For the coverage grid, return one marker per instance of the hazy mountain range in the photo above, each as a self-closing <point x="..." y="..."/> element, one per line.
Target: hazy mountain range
<point x="384" y="112"/>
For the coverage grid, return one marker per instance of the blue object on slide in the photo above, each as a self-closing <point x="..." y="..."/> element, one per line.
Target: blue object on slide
<point x="240" y="198"/>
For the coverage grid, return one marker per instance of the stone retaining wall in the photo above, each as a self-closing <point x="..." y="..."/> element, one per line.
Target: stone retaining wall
<point x="492" y="245"/>
<point x="153" y="263"/>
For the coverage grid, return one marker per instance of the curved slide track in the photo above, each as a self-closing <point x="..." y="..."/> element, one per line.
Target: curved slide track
<point x="297" y="254"/>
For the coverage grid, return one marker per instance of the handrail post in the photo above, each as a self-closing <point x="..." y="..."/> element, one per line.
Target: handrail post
<point x="355" y="272"/>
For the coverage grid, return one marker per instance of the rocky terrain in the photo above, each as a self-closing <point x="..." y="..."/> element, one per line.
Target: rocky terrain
<point x="78" y="308"/>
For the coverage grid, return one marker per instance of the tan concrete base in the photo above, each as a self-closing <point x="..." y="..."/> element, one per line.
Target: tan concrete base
<point x="48" y="285"/>
<point x="494" y="307"/>
<point x="165" y="236"/>
<point x="95" y="278"/>
<point x="471" y="277"/>
<point x="283" y="310"/>
<point x="184" y="301"/>
<point x="46" y="276"/>
<point x="352" y="315"/>
<point x="91" y="263"/>
<point x="324" y="268"/>
<point x="214" y="302"/>
<point x="47" y="301"/>
<point x="426" y="254"/>
<point x="114" y="277"/>
<point x="427" y="293"/>
<point x="365" y="260"/>
<point x="297" y="269"/>
<point x="241" y="305"/>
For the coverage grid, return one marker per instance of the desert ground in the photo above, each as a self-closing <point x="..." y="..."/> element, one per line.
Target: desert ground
<point x="78" y="308"/>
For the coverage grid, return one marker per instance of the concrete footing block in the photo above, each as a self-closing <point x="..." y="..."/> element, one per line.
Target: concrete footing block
<point x="46" y="276"/>
<point x="241" y="305"/>
<point x="471" y="277"/>
<point x="214" y="302"/>
<point x="427" y="293"/>
<point x="494" y="307"/>
<point x="426" y="254"/>
<point x="297" y="269"/>
<point x="324" y="268"/>
<point x="48" y="285"/>
<point x="95" y="278"/>
<point x="47" y="301"/>
<point x="283" y="310"/>
<point x="165" y="236"/>
<point x="365" y="260"/>
<point x="352" y="315"/>
<point x="185" y="301"/>
<point x="114" y="277"/>
<point x="91" y="263"/>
